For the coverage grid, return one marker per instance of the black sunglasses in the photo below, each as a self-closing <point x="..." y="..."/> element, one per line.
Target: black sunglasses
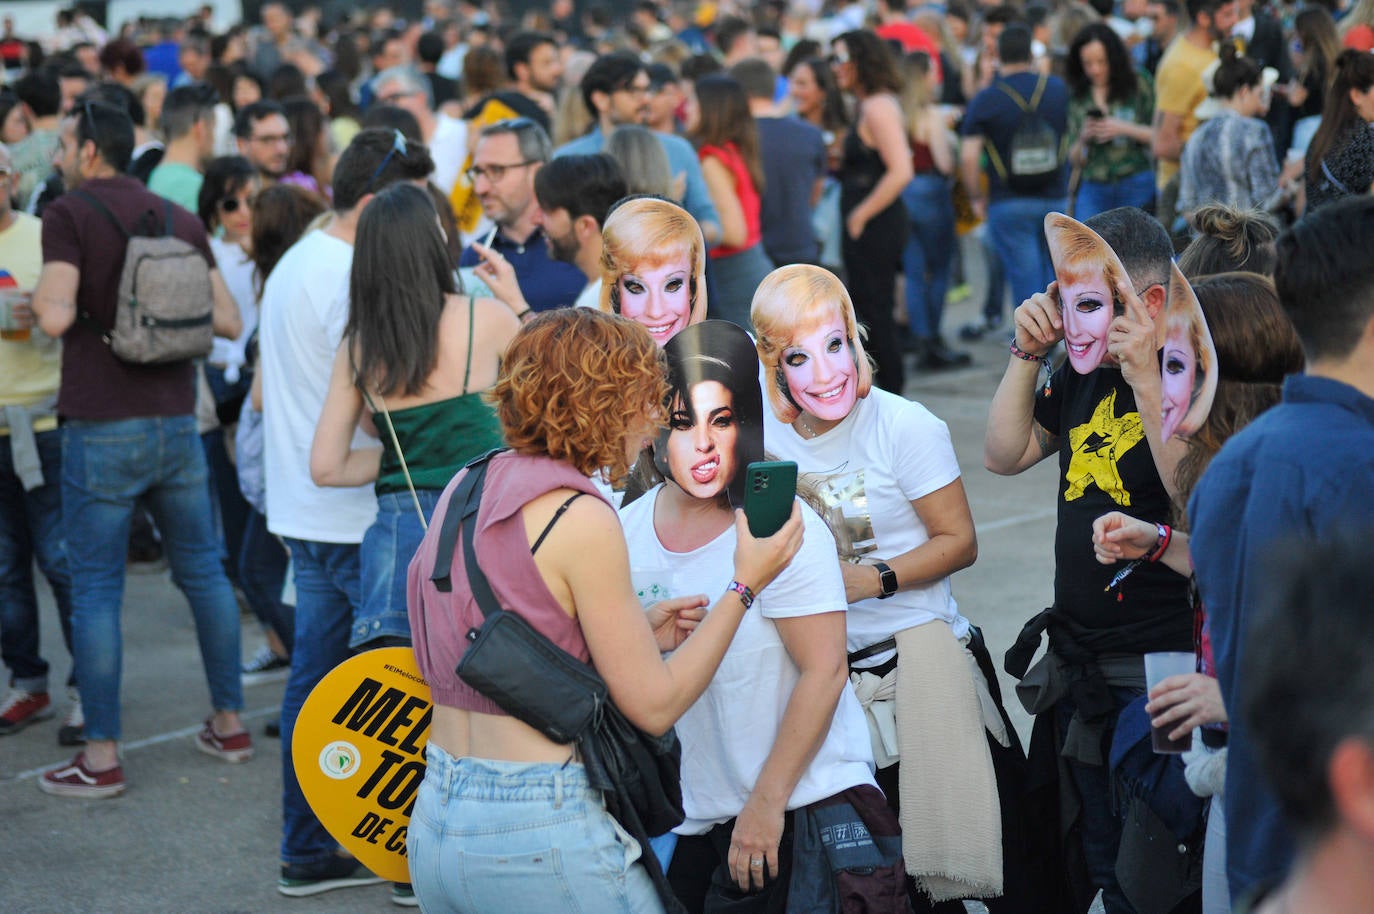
<point x="231" y="204"/>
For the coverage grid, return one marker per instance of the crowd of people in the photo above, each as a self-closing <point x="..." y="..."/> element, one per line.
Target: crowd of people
<point x="643" y="248"/>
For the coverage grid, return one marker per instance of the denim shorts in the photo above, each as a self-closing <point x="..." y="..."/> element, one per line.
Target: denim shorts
<point x="387" y="548"/>
<point x="515" y="836"/>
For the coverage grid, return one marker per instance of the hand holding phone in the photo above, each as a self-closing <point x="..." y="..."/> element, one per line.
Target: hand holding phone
<point x="769" y="489"/>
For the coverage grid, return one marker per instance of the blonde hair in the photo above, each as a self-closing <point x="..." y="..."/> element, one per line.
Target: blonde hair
<point x="642" y="160"/>
<point x="790" y="301"/>
<point x="1080" y="252"/>
<point x="649" y="232"/>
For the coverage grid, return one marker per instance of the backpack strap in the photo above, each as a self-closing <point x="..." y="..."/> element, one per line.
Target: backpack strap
<point x="103" y="210"/>
<point x="460" y="504"/>
<point x="167" y="225"/>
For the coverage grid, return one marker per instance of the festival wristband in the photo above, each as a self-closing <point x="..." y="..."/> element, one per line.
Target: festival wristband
<point x="746" y="596"/>
<point x="1165" y="536"/>
<point x="1025" y="356"/>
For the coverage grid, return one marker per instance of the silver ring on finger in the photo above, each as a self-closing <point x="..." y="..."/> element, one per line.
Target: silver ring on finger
<point x="756" y="863"/>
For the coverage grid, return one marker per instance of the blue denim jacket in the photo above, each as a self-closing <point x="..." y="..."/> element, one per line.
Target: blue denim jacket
<point x="1304" y="468"/>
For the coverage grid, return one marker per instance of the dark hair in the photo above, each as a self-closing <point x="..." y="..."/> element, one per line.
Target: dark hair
<point x="834" y="116"/>
<point x="521" y="46"/>
<point x="729" y="29"/>
<point x="334" y="86"/>
<point x="453" y="235"/>
<point x="221" y="79"/>
<point x="1257" y="348"/>
<point x="1305" y="678"/>
<point x="347" y="59"/>
<point x="251" y="114"/>
<point x="357" y="175"/>
<point x="1140" y="242"/>
<point x="307" y="130"/>
<point x="285" y="81"/>
<point x="875" y="68"/>
<point x="124" y="54"/>
<point x="802" y="51"/>
<point x="401" y="274"/>
<point x="582" y="185"/>
<point x="718" y="351"/>
<point x="1004" y="14"/>
<point x="280" y="217"/>
<point x="1321" y="43"/>
<point x="185" y="107"/>
<point x="390" y="117"/>
<point x="1014" y="44"/>
<point x="8" y="102"/>
<point x="1235" y="72"/>
<point x="699" y="65"/>
<point x="608" y="73"/>
<point x="756" y="76"/>
<point x="1323" y="275"/>
<point x="111" y="129"/>
<point x="116" y="96"/>
<point x="41" y="91"/>
<point x="430" y="47"/>
<point x="224" y="178"/>
<point x="1197" y="7"/>
<point x="1122" y="81"/>
<point x="1230" y="239"/>
<point x="1354" y="70"/>
<point x="483" y="70"/>
<point x="725" y="119"/>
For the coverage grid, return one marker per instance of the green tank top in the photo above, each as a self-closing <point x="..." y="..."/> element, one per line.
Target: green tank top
<point x="438" y="438"/>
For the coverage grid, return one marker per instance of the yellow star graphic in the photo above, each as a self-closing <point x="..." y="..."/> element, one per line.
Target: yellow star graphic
<point x="1097" y="446"/>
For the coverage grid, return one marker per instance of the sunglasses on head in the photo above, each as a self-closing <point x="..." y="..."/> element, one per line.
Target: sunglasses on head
<point x="398" y="145"/>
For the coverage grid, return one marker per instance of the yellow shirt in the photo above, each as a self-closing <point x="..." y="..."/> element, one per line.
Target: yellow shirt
<point x="1179" y="90"/>
<point x="31" y="370"/>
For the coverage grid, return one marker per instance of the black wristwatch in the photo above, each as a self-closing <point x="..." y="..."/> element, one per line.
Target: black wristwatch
<point x="887" y="578"/>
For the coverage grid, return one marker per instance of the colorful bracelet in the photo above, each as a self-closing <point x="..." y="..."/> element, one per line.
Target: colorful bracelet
<point x="1166" y="535"/>
<point x="1025" y="356"/>
<point x="746" y="596"/>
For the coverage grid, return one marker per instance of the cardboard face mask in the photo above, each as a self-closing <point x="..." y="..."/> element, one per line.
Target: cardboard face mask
<point x="1189" y="380"/>
<point x="1087" y="270"/>
<point x="715" y="411"/>
<point x="653" y="267"/>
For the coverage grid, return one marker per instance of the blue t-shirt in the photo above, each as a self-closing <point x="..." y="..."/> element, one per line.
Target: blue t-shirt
<point x="545" y="282"/>
<point x="994" y="116"/>
<point x="793" y="154"/>
<point x="1305" y="468"/>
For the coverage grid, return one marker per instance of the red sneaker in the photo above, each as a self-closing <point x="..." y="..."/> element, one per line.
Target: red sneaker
<point x="236" y="747"/>
<point x="21" y="708"/>
<point x="77" y="780"/>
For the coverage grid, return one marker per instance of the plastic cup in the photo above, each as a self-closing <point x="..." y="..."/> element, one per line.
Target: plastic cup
<point x="1158" y="667"/>
<point x="9" y="330"/>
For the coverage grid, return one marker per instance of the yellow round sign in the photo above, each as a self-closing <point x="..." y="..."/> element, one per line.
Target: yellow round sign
<point x="359" y="753"/>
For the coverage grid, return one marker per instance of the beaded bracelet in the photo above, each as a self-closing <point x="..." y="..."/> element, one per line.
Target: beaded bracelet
<point x="746" y="596"/>
<point x="1166" y="535"/>
<point x="1025" y="356"/>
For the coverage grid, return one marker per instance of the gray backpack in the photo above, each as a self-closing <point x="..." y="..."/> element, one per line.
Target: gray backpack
<point x="165" y="304"/>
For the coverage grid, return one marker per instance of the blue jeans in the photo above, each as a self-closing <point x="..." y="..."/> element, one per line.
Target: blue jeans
<point x="930" y="243"/>
<point x="1016" y="230"/>
<point x="1099" y="823"/>
<point x="514" y="836"/>
<point x="1099" y="196"/>
<point x="230" y="507"/>
<point x="31" y="528"/>
<point x="388" y="546"/>
<point x="262" y="574"/>
<point x="994" y="300"/>
<point x="106" y="466"/>
<point x="328" y="593"/>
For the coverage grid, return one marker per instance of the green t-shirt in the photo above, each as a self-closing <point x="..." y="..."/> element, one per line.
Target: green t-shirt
<point x="178" y="183"/>
<point x="1122" y="157"/>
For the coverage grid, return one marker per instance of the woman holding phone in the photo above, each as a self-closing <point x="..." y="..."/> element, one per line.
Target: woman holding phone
<point x="883" y="472"/>
<point x="505" y="818"/>
<point x="778" y="728"/>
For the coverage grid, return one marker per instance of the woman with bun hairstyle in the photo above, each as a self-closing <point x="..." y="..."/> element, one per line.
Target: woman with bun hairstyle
<point x="1256" y="348"/>
<point x="1340" y="161"/>
<point x="881" y="471"/>
<point x="1227" y="239"/>
<point x="1230" y="157"/>
<point x="653" y="266"/>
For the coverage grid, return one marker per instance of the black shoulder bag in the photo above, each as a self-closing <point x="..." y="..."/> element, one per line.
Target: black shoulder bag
<point x="535" y="681"/>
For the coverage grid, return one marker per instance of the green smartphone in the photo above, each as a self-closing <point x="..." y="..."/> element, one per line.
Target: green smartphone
<point x="769" y="488"/>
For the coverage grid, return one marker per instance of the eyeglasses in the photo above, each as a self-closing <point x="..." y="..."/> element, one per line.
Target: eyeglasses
<point x="273" y="139"/>
<point x="837" y="59"/>
<point x="493" y="173"/>
<point x="398" y="145"/>
<point x="231" y="204"/>
<point x="635" y="89"/>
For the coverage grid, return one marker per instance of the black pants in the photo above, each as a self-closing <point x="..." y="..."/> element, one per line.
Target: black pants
<point x="700" y="868"/>
<point x="870" y="265"/>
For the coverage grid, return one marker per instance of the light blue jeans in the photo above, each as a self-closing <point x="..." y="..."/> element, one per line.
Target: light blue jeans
<point x="388" y="546"/>
<point x="513" y="836"/>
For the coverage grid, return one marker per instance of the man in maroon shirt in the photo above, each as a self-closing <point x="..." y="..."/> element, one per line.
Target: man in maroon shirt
<point x="128" y="432"/>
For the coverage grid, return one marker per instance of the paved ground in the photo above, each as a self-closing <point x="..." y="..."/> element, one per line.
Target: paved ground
<point x="192" y="834"/>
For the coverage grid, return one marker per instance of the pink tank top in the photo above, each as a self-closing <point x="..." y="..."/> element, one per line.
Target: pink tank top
<point x="439" y="622"/>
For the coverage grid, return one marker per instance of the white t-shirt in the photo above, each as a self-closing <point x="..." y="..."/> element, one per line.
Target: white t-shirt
<point x="728" y="733"/>
<point x="449" y="148"/>
<point x="237" y="269"/>
<point x="304" y="311"/>
<point x="887" y="453"/>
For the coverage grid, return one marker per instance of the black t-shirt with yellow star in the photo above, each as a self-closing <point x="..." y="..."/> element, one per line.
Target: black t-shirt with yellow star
<point x="1105" y="465"/>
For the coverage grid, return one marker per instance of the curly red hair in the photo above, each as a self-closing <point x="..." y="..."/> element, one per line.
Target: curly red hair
<point x="576" y="383"/>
